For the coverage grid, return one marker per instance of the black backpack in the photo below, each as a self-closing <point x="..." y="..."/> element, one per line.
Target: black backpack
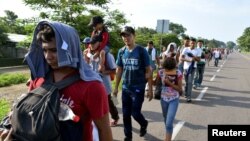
<point x="107" y="66"/>
<point x="35" y="116"/>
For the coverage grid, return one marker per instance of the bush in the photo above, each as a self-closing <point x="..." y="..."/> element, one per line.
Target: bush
<point x="8" y="79"/>
<point x="5" y="108"/>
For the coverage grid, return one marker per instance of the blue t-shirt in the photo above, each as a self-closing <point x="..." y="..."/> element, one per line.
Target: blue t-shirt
<point x="134" y="65"/>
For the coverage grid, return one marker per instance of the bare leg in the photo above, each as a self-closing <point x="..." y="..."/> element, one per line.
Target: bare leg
<point x="168" y="137"/>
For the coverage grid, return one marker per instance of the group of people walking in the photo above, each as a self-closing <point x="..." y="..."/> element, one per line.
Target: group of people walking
<point x="56" y="52"/>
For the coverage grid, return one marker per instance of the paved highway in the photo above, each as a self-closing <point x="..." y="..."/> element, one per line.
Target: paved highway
<point x="223" y="99"/>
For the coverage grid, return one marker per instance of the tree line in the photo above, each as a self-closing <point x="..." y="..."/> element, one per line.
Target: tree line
<point x="78" y="13"/>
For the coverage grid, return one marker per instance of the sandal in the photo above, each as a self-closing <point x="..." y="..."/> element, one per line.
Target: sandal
<point x="114" y="123"/>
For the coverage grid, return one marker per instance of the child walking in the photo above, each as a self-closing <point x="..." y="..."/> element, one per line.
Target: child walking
<point x="171" y="88"/>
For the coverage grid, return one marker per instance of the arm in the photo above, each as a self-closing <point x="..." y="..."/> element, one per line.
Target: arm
<point x="197" y="58"/>
<point x="104" y="129"/>
<point x="149" y="78"/>
<point x="118" y="77"/>
<point x="85" y="52"/>
<point x="174" y="86"/>
<point x="177" y="57"/>
<point x="157" y="79"/>
<point x="102" y="61"/>
<point x="113" y="71"/>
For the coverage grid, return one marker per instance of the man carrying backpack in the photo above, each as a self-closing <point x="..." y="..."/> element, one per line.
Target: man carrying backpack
<point x="134" y="65"/>
<point x="55" y="55"/>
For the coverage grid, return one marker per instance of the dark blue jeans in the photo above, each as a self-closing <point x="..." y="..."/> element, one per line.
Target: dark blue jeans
<point x="199" y="74"/>
<point x="132" y="101"/>
<point x="189" y="78"/>
<point x="216" y="62"/>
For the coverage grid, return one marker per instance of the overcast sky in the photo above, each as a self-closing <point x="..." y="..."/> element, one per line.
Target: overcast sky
<point x="224" y="20"/>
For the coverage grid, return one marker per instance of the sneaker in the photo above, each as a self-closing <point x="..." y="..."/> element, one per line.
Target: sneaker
<point x="195" y="86"/>
<point x="143" y="129"/>
<point x="127" y="139"/>
<point x="189" y="100"/>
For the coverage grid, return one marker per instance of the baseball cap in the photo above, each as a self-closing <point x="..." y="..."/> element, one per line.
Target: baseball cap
<point x="127" y="30"/>
<point x="86" y="40"/>
<point x="95" y="39"/>
<point x="95" y="20"/>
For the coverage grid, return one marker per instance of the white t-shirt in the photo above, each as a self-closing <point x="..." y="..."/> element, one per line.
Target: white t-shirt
<point x="216" y="54"/>
<point x="196" y="52"/>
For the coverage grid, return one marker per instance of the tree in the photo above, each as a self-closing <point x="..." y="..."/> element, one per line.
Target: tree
<point x="177" y="28"/>
<point x="145" y="30"/>
<point x="11" y="17"/>
<point x="3" y="29"/>
<point x="244" y="40"/>
<point x="78" y="14"/>
<point x="230" y="44"/>
<point x="216" y="44"/>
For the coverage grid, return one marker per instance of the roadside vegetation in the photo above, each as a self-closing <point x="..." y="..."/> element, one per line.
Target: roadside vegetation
<point x="4" y="108"/>
<point x="7" y="79"/>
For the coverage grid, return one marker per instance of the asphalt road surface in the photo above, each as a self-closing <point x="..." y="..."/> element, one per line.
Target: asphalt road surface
<point x="223" y="99"/>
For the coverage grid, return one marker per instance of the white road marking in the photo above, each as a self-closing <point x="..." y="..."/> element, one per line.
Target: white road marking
<point x="201" y="94"/>
<point x="177" y="128"/>
<point x="212" y="79"/>
<point x="218" y="70"/>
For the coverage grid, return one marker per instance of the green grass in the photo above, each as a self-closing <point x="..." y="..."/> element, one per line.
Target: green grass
<point x="4" y="108"/>
<point x="244" y="52"/>
<point x="113" y="85"/>
<point x="7" y="79"/>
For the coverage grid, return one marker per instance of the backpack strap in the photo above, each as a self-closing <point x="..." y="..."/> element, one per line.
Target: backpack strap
<point x="122" y="52"/>
<point x="67" y="81"/>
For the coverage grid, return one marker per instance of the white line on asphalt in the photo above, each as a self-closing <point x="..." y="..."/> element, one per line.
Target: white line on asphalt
<point x="177" y="128"/>
<point x="221" y="66"/>
<point x="201" y="94"/>
<point x="212" y="79"/>
<point x="218" y="70"/>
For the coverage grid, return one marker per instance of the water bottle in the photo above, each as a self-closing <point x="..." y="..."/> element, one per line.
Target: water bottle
<point x="65" y="113"/>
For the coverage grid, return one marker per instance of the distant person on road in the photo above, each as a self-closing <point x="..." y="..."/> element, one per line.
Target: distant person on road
<point x="133" y="66"/>
<point x="209" y="56"/>
<point x="171" y="79"/>
<point x="180" y="49"/>
<point x="161" y="56"/>
<point x="200" y="65"/>
<point x="171" y="52"/>
<point x="86" y="42"/>
<point x="153" y="57"/>
<point x="217" y="55"/>
<point x="190" y="56"/>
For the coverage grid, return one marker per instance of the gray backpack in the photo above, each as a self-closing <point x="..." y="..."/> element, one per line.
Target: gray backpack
<point x="35" y="116"/>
